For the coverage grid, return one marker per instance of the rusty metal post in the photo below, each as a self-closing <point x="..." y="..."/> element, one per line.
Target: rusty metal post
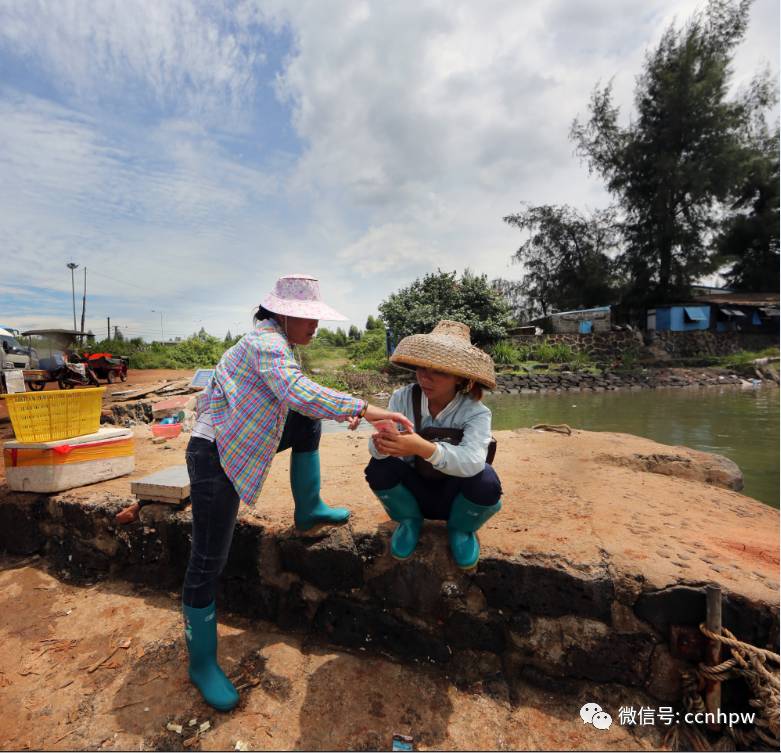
<point x="712" y="691"/>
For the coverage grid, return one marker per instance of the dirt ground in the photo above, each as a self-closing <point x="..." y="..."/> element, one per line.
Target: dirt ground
<point x="632" y="505"/>
<point x="103" y="667"/>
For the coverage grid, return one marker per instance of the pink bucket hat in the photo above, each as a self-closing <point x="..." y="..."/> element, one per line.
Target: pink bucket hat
<point x="299" y="296"/>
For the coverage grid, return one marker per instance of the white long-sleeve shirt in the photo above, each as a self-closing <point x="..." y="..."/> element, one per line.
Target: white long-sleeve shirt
<point x="462" y="412"/>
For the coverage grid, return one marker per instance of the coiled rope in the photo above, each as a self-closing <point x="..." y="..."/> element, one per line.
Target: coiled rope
<point x="755" y="667"/>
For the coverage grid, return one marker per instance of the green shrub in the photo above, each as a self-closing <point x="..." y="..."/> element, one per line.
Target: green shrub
<point x="505" y="353"/>
<point x="369" y="351"/>
<point x="543" y="352"/>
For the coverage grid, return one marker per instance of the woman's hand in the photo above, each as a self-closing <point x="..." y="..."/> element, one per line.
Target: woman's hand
<point x="373" y="413"/>
<point x="353" y="422"/>
<point x="402" y="445"/>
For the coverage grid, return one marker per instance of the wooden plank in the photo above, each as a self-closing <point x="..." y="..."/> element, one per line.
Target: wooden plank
<point x="138" y="393"/>
<point x="169" y="485"/>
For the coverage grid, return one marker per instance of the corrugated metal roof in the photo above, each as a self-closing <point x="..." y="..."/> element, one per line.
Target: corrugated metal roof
<point x="581" y="311"/>
<point x="740" y="299"/>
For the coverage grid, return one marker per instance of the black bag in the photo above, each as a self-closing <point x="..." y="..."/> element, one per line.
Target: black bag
<point x="451" y="436"/>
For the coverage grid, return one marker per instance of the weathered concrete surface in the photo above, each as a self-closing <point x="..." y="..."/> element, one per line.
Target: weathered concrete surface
<point x="592" y="558"/>
<point x="295" y="694"/>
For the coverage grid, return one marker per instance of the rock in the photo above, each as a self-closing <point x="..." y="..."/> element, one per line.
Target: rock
<point x="348" y="623"/>
<point x="331" y="563"/>
<point x="664" y="677"/>
<point x="709" y="468"/>
<point x="544" y="589"/>
<point x="410" y="585"/>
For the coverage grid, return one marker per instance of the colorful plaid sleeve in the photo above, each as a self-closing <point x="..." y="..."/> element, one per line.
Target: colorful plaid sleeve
<point x="286" y="380"/>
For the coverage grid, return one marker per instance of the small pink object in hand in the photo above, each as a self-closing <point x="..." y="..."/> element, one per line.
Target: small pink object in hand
<point x="386" y="425"/>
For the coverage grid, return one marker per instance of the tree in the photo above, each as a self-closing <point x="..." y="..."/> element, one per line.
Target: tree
<point x="372" y="323"/>
<point x="354" y="334"/>
<point x="673" y="165"/>
<point x="568" y="258"/>
<point x="228" y="338"/>
<point x="439" y="295"/>
<point x="203" y="334"/>
<point x="749" y="238"/>
<point x="512" y="292"/>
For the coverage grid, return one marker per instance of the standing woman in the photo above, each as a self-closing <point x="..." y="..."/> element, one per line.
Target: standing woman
<point x="258" y="403"/>
<point x="416" y="477"/>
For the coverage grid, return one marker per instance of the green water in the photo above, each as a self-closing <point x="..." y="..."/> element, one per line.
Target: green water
<point x="742" y="424"/>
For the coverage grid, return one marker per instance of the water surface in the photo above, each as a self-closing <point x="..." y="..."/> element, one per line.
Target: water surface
<point x="742" y="424"/>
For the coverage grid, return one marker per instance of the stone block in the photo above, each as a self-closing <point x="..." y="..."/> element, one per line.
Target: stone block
<point x="544" y="589"/>
<point x="330" y="562"/>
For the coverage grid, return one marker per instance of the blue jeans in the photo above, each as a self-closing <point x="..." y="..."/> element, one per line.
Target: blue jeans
<point x="215" y="504"/>
<point x="435" y="496"/>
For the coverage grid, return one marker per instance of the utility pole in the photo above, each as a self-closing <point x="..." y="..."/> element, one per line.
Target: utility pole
<point x="156" y="311"/>
<point x="84" y="304"/>
<point x="73" y="266"/>
<point x="108" y="328"/>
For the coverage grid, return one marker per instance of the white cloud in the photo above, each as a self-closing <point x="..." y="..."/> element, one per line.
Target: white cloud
<point x="176" y="53"/>
<point x="422" y="125"/>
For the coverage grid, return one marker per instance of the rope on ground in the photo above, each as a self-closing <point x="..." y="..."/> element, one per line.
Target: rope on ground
<point x="755" y="667"/>
<point x="560" y="428"/>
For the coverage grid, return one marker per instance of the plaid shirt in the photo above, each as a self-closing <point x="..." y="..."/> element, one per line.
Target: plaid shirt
<point x="254" y="385"/>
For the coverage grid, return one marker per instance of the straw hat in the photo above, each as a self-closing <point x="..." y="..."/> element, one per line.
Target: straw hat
<point x="447" y="348"/>
<point x="299" y="296"/>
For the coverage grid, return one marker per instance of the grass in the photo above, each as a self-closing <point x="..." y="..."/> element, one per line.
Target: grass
<point x="743" y="360"/>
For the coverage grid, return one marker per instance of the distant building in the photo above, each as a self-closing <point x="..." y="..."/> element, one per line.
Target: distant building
<point x="718" y="311"/>
<point x="579" y="321"/>
<point x="678" y="317"/>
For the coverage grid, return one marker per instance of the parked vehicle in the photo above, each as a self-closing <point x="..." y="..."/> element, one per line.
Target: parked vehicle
<point x="19" y="349"/>
<point x="107" y="366"/>
<point x="14" y="355"/>
<point x="62" y="365"/>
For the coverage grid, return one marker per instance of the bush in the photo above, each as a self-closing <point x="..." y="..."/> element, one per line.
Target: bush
<point x="369" y="351"/>
<point x="505" y="353"/>
<point x="552" y="352"/>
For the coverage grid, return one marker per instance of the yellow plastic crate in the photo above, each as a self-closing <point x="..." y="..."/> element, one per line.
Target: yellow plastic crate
<point x="47" y="416"/>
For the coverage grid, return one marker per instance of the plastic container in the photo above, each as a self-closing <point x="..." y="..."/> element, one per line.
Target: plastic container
<point x="67" y="463"/>
<point x="49" y="416"/>
<point x="386" y="425"/>
<point x="169" y="431"/>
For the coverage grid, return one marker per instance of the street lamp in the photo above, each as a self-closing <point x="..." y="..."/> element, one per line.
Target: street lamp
<point x="73" y="266"/>
<point x="155" y="311"/>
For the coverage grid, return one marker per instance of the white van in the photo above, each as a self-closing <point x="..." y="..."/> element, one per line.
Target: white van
<point x="14" y="355"/>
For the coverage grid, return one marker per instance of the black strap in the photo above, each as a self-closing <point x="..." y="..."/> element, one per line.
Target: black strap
<point x="416" y="398"/>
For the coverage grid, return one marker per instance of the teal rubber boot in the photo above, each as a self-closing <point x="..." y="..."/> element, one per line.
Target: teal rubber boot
<point x="465" y="518"/>
<point x="401" y="506"/>
<point x="200" y="630"/>
<point x="305" y="485"/>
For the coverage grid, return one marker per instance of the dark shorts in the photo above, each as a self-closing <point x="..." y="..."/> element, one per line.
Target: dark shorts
<point x="435" y="497"/>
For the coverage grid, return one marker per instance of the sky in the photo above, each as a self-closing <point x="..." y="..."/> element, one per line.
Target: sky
<point x="189" y="153"/>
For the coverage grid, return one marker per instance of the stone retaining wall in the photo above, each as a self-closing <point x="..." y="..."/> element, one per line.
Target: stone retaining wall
<point x="538" y="618"/>
<point x="607" y="346"/>
<point x="569" y="381"/>
<point x="692" y="344"/>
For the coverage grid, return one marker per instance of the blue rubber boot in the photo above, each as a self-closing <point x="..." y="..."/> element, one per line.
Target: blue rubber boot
<point x="200" y="630"/>
<point x="465" y="518"/>
<point x="305" y="485"/>
<point x="401" y="506"/>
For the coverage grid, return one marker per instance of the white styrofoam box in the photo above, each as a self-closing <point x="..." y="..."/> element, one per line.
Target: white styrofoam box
<point x="68" y="463"/>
